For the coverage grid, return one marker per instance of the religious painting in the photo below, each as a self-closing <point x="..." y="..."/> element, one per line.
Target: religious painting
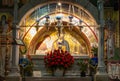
<point x="45" y="46"/>
<point x="69" y="43"/>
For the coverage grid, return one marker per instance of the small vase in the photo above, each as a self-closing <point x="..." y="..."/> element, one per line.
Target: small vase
<point x="59" y="73"/>
<point x="64" y="71"/>
<point x="83" y="73"/>
<point x="53" y="73"/>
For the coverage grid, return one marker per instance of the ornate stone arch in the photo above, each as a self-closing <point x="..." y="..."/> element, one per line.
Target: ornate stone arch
<point x="31" y="6"/>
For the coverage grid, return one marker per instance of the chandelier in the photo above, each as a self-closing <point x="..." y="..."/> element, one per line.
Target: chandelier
<point x="59" y="24"/>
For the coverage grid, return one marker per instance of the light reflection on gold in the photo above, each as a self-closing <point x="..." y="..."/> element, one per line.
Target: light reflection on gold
<point x="75" y="46"/>
<point x="52" y="43"/>
<point x="32" y="32"/>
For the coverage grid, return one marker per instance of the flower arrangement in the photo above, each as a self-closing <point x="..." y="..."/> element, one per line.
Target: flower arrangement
<point x="94" y="50"/>
<point x="83" y="63"/>
<point x="58" y="59"/>
<point x="26" y="66"/>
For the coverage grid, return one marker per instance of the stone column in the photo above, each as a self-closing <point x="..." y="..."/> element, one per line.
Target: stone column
<point x="101" y="74"/>
<point x="14" y="75"/>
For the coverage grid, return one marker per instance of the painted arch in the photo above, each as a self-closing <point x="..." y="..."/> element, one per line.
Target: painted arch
<point x="84" y="38"/>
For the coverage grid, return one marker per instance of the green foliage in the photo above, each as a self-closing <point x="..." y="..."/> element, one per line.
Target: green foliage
<point x="83" y="64"/>
<point x="116" y="55"/>
<point x="23" y="49"/>
<point x="27" y="70"/>
<point x="94" y="50"/>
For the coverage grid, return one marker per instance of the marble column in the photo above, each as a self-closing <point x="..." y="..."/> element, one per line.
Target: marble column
<point x="14" y="75"/>
<point x="101" y="74"/>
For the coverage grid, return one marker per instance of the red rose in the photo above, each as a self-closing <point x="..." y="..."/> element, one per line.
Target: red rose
<point x="58" y="59"/>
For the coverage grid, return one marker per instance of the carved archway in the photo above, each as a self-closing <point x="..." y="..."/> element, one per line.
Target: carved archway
<point x="26" y="13"/>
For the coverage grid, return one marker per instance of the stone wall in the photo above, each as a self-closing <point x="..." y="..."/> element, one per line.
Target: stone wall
<point x="38" y="61"/>
<point x="58" y="79"/>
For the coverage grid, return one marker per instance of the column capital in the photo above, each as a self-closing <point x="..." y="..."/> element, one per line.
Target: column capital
<point x="101" y="12"/>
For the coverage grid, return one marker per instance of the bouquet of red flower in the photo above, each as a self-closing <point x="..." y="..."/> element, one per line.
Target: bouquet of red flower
<point x="58" y="59"/>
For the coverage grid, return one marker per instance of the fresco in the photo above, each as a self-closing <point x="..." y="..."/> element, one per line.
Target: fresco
<point x="68" y="44"/>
